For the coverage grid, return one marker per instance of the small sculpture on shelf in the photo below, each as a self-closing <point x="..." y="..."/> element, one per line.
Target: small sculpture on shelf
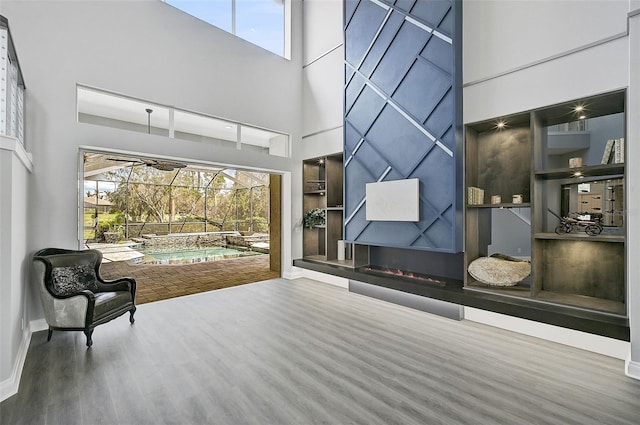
<point x="500" y="270"/>
<point x="314" y="217"/>
<point x="592" y="226"/>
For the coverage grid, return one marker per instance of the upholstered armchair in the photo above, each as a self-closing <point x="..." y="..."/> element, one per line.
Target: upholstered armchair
<point x="74" y="296"/>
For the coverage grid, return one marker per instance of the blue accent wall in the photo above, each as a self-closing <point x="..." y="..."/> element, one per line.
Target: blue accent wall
<point x="403" y="117"/>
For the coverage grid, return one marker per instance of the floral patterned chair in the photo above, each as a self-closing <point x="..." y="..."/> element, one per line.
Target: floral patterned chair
<point x="74" y="296"/>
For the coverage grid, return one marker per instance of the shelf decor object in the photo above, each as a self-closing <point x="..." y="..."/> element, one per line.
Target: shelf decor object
<point x="499" y="270"/>
<point x="314" y="217"/>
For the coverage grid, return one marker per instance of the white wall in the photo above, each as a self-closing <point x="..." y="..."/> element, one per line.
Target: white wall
<point x="503" y="35"/>
<point x="15" y="167"/>
<point x="524" y="55"/>
<point x="633" y="189"/>
<point x="149" y="50"/>
<point x="323" y="77"/>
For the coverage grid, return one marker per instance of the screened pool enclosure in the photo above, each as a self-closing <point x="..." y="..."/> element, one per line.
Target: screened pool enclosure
<point x="127" y="197"/>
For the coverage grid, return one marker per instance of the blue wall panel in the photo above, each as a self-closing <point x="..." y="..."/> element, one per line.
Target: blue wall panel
<point x="403" y="118"/>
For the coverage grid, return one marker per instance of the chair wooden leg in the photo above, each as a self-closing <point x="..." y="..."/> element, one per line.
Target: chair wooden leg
<point x="49" y="334"/>
<point x="88" y="333"/>
<point x="131" y="313"/>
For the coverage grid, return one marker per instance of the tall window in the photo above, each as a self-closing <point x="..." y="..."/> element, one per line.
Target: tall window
<point x="261" y="22"/>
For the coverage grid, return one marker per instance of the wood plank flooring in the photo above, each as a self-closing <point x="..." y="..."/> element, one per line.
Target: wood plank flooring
<point x="302" y="352"/>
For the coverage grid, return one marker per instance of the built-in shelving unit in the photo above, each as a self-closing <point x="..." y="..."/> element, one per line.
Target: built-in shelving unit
<point x="518" y="155"/>
<point x="322" y="187"/>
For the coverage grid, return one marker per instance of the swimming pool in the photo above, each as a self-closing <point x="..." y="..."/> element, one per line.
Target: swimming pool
<point x="189" y="255"/>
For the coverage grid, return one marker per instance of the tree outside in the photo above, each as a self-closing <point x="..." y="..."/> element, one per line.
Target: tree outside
<point x="145" y="200"/>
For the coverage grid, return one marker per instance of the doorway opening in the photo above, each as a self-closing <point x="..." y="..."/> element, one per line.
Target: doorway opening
<point x="180" y="228"/>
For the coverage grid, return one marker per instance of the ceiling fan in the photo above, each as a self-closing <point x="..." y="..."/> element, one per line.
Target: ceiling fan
<point x="157" y="164"/>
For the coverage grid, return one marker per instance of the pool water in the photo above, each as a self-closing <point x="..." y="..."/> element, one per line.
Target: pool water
<point x="189" y="255"/>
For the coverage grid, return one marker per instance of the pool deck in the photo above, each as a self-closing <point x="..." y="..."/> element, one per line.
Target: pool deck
<point x="159" y="282"/>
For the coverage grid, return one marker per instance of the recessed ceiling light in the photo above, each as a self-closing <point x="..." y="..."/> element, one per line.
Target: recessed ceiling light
<point x="582" y="117"/>
<point x="579" y="108"/>
<point x="501" y="125"/>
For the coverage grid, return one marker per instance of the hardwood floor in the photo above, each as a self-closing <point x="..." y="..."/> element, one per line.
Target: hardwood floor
<point x="302" y="352"/>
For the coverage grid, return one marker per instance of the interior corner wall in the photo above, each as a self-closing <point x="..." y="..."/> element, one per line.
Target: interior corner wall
<point x="14" y="264"/>
<point x="148" y="50"/>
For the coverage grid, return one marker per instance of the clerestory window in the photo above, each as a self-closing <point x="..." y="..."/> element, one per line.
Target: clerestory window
<point x="261" y="22"/>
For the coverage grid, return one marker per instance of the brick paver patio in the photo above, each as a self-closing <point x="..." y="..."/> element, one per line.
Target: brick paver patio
<point x="158" y="282"/>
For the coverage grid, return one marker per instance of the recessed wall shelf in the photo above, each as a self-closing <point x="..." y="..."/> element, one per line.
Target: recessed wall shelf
<point x="322" y="182"/>
<point x="574" y="269"/>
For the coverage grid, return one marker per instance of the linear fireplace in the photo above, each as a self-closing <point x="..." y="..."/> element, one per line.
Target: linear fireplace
<point x="428" y="267"/>
<point x="403" y="274"/>
<point x="408" y="277"/>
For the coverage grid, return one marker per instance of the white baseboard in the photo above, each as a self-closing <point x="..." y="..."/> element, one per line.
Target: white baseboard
<point x="632" y="369"/>
<point x="292" y="273"/>
<point x="582" y="340"/>
<point x="38" y="325"/>
<point x="338" y="281"/>
<point x="9" y="386"/>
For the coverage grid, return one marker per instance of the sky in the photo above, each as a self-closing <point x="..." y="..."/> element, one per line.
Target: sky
<point x="260" y="22"/>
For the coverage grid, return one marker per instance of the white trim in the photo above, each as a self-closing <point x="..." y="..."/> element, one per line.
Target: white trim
<point x="382" y="5"/>
<point x="12" y="144"/>
<point x="101" y="149"/>
<point x="338" y="281"/>
<point x="9" y="386"/>
<point x="38" y="325"/>
<point x="632" y="369"/>
<point x="582" y="340"/>
<point x="293" y="273"/>
<point x="547" y="59"/>
<point x="321" y="131"/>
<point x="311" y="62"/>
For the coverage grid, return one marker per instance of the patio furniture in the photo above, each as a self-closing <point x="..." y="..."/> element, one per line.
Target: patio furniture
<point x="74" y="296"/>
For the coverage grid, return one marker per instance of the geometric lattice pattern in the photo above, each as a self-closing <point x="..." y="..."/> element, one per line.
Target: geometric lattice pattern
<point x="401" y="117"/>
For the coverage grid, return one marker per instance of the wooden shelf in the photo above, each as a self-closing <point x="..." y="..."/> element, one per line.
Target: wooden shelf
<point x="503" y="205"/>
<point x="580" y="237"/>
<point x="315" y="192"/>
<point x="583" y="301"/>
<point x="334" y="208"/>
<point x="614" y="170"/>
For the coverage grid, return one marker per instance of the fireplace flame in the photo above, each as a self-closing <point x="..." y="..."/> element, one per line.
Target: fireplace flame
<point x="403" y="273"/>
